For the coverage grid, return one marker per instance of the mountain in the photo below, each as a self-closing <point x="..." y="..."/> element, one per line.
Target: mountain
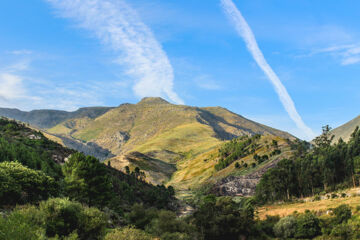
<point x="345" y="130"/>
<point x="50" y="118"/>
<point x="171" y="143"/>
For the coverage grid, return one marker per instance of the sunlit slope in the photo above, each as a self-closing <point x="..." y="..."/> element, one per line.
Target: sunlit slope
<point x="194" y="172"/>
<point x="154" y="125"/>
<point x="345" y="131"/>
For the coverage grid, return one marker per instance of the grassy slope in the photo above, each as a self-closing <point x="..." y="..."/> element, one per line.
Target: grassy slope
<point x="285" y="209"/>
<point x="193" y="172"/>
<point x="174" y="134"/>
<point x="345" y="131"/>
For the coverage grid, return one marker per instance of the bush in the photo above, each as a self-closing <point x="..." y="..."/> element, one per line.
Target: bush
<point x="62" y="217"/>
<point x="267" y="226"/>
<point x="21" y="224"/>
<point x="342" y="213"/>
<point x="19" y="184"/>
<point x="308" y="226"/>
<point x="168" y="226"/>
<point x="140" y="216"/>
<point x="286" y="227"/>
<point x="128" y="233"/>
<point x="343" y="231"/>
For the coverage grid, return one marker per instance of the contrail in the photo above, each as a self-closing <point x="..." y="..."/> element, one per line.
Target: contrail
<point x="119" y="27"/>
<point x="246" y="33"/>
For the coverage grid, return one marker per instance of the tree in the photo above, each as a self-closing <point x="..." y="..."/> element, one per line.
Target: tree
<point x="325" y="139"/>
<point x="87" y="180"/>
<point x="222" y="218"/>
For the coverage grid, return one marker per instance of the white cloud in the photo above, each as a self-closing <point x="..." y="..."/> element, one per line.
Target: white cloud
<point x="207" y="83"/>
<point x="118" y="26"/>
<point x="347" y="54"/>
<point x="11" y="87"/>
<point x="246" y="33"/>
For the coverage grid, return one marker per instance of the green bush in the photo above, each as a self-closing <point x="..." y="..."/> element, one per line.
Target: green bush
<point x="62" y="217"/>
<point x="342" y="231"/>
<point x="308" y="226"/>
<point x="286" y="227"/>
<point x="19" y="184"/>
<point x="342" y="213"/>
<point x="22" y="224"/>
<point x="168" y="226"/>
<point x="128" y="233"/>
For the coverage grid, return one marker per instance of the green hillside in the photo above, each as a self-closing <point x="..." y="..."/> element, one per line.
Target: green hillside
<point x="162" y="132"/>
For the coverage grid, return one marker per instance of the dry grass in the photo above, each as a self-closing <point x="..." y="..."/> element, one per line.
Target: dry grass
<point x="286" y="209"/>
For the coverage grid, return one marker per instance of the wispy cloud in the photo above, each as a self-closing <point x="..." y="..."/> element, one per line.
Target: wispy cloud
<point x="347" y="54"/>
<point x="206" y="82"/>
<point x="246" y="33"/>
<point x="13" y="90"/>
<point x="21" y="52"/>
<point x="118" y="26"/>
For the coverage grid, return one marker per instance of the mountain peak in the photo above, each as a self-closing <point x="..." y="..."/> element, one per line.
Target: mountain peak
<point x="153" y="100"/>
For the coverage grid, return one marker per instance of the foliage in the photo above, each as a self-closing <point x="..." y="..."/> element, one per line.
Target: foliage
<point x="286" y="227"/>
<point x="128" y="233"/>
<point x="222" y="218"/>
<point x="342" y="213"/>
<point x="55" y="218"/>
<point x="308" y="226"/>
<point x="87" y="180"/>
<point x="29" y="147"/>
<point x="19" y="184"/>
<point x="326" y="167"/>
<point x="235" y="149"/>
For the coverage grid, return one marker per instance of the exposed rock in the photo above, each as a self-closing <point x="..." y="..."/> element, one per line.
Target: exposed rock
<point x="88" y="148"/>
<point x="242" y="185"/>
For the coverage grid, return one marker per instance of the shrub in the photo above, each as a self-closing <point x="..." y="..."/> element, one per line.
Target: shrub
<point x="128" y="233"/>
<point x="343" y="231"/>
<point x="168" y="226"/>
<point x="19" y="184"/>
<point x="140" y="216"/>
<point x="62" y="217"/>
<point x="286" y="227"/>
<point x="317" y="198"/>
<point x="21" y="224"/>
<point x="267" y="225"/>
<point x="308" y="226"/>
<point x="342" y="213"/>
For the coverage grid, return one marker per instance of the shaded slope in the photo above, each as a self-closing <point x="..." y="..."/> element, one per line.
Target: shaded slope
<point x="50" y="118"/>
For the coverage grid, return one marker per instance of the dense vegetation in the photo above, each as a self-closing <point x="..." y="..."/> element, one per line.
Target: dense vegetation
<point x="235" y="149"/>
<point x="30" y="148"/>
<point x="326" y="167"/>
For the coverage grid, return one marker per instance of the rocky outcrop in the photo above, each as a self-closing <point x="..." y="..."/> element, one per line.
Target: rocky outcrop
<point x="88" y="148"/>
<point x="243" y="186"/>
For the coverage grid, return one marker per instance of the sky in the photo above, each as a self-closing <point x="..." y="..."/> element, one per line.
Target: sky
<point x="292" y="65"/>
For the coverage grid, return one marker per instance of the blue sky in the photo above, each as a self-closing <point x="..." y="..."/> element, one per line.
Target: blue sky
<point x="53" y="56"/>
